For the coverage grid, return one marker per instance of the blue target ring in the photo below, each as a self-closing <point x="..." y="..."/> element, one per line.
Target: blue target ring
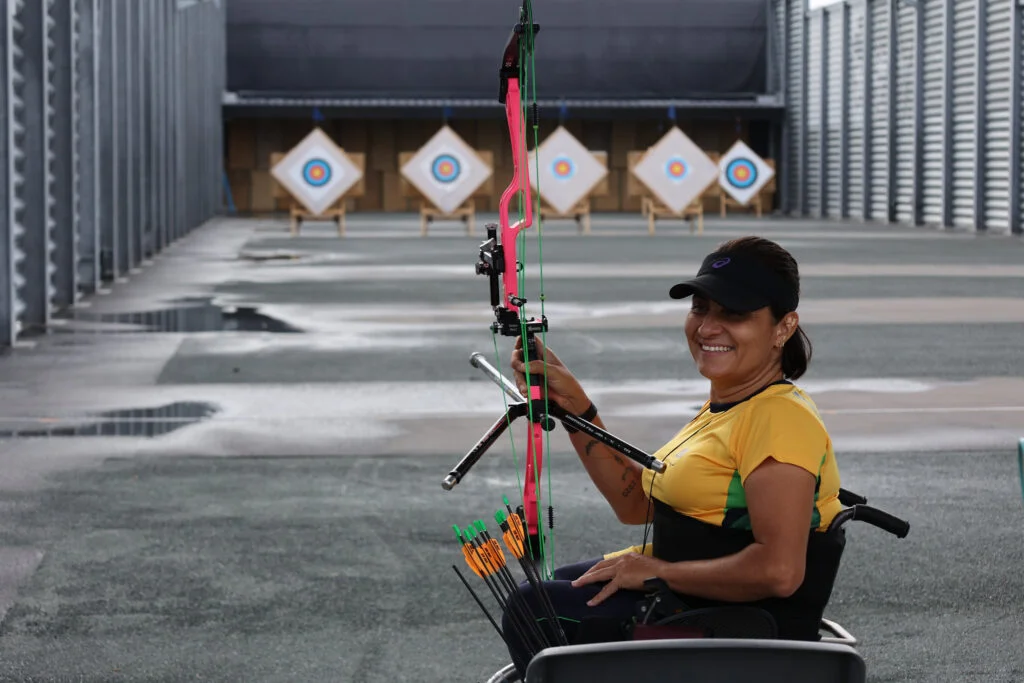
<point x="741" y="173"/>
<point x="316" y="172"/>
<point x="676" y="169"/>
<point x="563" y="168"/>
<point x="446" y="168"/>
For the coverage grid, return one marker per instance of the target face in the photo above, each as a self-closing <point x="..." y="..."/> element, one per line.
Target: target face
<point x="563" y="168"/>
<point x="676" y="170"/>
<point x="742" y="173"/>
<point x="446" y="170"/>
<point x="316" y="172"/>
<point x="568" y="171"/>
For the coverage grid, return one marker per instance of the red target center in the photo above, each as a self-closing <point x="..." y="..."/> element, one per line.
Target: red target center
<point x="676" y="168"/>
<point x="742" y="173"/>
<point x="446" y="168"/>
<point x="317" y="172"/>
<point x="562" y="168"/>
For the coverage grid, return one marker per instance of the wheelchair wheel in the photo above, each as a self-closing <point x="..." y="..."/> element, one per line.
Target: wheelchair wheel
<point x="508" y="674"/>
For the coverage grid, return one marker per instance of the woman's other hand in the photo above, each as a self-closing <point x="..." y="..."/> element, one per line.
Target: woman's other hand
<point x="627" y="572"/>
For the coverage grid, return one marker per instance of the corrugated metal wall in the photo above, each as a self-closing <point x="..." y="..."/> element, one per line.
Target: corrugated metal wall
<point x="110" y="143"/>
<point x="911" y="111"/>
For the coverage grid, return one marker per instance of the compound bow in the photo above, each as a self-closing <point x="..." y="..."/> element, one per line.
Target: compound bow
<point x="498" y="261"/>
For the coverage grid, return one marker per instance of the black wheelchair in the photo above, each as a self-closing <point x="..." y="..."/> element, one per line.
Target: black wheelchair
<point x="669" y="641"/>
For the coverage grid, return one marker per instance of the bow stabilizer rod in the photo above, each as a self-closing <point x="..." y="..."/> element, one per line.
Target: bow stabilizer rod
<point x="517" y="409"/>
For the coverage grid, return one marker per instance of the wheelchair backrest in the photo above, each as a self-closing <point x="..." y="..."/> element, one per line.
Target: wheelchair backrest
<point x="699" y="661"/>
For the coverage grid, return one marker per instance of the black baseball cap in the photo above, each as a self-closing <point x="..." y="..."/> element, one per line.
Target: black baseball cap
<point x="739" y="282"/>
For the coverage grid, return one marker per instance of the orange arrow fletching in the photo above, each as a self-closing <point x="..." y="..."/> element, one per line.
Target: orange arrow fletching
<point x="514" y="545"/>
<point x="473" y="561"/>
<point x="494" y="550"/>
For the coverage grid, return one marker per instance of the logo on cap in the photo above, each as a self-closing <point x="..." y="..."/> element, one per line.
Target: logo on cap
<point x="721" y="262"/>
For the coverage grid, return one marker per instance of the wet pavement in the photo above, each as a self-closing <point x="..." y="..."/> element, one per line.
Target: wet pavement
<point x="229" y="466"/>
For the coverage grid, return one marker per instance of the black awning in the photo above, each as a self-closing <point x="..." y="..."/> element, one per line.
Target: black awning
<point x="439" y="49"/>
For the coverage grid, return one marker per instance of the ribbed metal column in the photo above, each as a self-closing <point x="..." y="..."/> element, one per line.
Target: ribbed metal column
<point x="9" y="177"/>
<point x="866" y="94"/>
<point x="87" y="142"/>
<point x="891" y="152"/>
<point x="1016" y="122"/>
<point x="33" y="225"/>
<point x="803" y="202"/>
<point x="948" y="111"/>
<point x="63" y="163"/>
<point x="980" y="129"/>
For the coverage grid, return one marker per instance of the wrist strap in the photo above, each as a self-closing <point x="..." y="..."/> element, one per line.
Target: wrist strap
<point x="589" y="414"/>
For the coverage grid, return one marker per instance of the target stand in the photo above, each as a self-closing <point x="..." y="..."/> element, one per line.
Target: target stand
<point x="429" y="212"/>
<point x="652" y="208"/>
<point x="580" y="212"/>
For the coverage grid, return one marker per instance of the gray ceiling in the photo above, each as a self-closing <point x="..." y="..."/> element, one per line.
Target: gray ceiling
<point x="605" y="49"/>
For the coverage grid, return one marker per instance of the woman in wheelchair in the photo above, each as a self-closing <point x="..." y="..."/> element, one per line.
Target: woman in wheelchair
<point x="740" y="515"/>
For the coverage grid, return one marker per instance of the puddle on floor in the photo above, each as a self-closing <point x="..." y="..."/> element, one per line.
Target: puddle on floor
<point x="193" y="315"/>
<point x="144" y="422"/>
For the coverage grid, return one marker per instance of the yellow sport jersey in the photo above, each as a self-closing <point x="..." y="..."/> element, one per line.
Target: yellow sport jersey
<point x="712" y="456"/>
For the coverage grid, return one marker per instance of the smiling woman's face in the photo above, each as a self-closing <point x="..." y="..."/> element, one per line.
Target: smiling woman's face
<point x="733" y="349"/>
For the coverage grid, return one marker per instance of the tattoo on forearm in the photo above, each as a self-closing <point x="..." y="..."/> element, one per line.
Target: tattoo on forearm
<point x="590" y="445"/>
<point x="629" y="489"/>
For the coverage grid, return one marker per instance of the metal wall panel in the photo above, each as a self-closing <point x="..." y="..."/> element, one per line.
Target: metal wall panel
<point x="857" y="113"/>
<point x="880" y="109"/>
<point x="1017" y="122"/>
<point x="835" y="110"/>
<point x="9" y="176"/>
<point x="934" y="112"/>
<point x="906" y="95"/>
<point x="87" y="135"/>
<point x="33" y="286"/>
<point x="998" y="18"/>
<point x="813" y="173"/>
<point x="104" y="101"/>
<point x="796" y="119"/>
<point x="965" y="94"/>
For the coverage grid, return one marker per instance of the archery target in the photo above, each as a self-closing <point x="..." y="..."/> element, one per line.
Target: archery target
<point x="676" y="170"/>
<point x="446" y="170"/>
<point x="316" y="172"/>
<point x="567" y="170"/>
<point x="742" y="173"/>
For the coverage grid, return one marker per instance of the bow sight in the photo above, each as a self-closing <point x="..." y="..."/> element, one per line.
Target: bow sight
<point x="507" y="322"/>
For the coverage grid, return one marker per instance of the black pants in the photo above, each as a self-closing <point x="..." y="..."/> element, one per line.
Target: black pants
<point x="570" y="604"/>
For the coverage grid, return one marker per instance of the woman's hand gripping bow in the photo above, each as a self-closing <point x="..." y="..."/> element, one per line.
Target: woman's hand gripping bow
<point x="562" y="387"/>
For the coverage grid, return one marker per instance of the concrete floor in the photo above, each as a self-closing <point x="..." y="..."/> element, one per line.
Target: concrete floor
<point x="229" y="467"/>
